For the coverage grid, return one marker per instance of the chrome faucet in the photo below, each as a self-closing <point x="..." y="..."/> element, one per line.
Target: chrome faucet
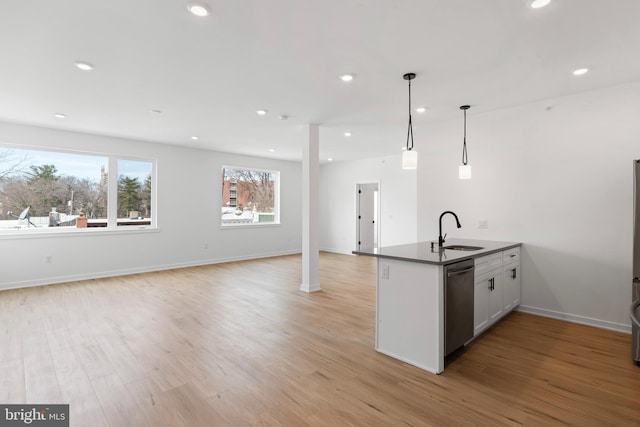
<point x="440" y="237"/>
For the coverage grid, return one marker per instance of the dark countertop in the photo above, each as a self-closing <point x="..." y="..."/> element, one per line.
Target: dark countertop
<point x="422" y="252"/>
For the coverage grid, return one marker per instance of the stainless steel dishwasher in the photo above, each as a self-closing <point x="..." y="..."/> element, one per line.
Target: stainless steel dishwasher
<point x="458" y="305"/>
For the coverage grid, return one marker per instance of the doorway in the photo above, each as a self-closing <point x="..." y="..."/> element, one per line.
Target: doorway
<point x="367" y="208"/>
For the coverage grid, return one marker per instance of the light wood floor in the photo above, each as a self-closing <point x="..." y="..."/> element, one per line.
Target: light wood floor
<point x="237" y="344"/>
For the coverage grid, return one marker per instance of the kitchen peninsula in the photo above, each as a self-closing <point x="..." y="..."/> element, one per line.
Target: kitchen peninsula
<point x="419" y="302"/>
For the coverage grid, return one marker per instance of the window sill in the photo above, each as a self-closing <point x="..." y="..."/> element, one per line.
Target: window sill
<point x="74" y="232"/>
<point x="246" y="226"/>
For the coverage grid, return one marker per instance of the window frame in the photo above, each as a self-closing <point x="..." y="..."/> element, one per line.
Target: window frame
<point x="114" y="160"/>
<point x="276" y="198"/>
<point x="111" y="220"/>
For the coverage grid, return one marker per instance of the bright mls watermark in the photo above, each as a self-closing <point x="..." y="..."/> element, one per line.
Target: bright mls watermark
<point x="34" y="415"/>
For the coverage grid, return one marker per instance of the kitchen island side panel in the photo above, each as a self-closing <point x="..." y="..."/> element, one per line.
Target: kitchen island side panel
<point x="410" y="313"/>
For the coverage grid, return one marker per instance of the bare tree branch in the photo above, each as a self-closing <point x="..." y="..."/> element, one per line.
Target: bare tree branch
<point x="11" y="163"/>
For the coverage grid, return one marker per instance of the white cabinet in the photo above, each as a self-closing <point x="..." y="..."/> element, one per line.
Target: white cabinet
<point x="488" y="300"/>
<point x="480" y="304"/>
<point x="496" y="287"/>
<point x="511" y="278"/>
<point x="511" y="256"/>
<point x="511" y="289"/>
<point x="487" y="263"/>
<point x="495" y="296"/>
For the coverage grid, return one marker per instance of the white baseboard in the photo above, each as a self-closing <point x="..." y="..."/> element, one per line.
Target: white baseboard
<point x="604" y="324"/>
<point x="310" y="287"/>
<point x="410" y="362"/>
<point x="135" y="270"/>
<point x="337" y="251"/>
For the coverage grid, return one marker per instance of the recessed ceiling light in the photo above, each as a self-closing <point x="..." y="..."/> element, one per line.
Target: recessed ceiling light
<point x="330" y="159"/>
<point x="198" y="9"/>
<point x="537" y="4"/>
<point x="347" y="134"/>
<point x="580" y="71"/>
<point x="404" y="148"/>
<point x="60" y="116"/>
<point x="421" y="109"/>
<point x="272" y="150"/>
<point x="346" y="77"/>
<point x="195" y="138"/>
<point x="84" y="66"/>
<point x="261" y="112"/>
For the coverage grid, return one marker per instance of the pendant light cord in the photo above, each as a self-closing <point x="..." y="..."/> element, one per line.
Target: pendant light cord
<point x="465" y="158"/>
<point x="410" y="129"/>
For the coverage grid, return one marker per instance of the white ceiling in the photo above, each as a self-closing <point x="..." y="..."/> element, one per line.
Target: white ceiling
<point x="209" y="75"/>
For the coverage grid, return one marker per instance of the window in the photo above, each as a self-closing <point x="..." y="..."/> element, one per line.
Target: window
<point x="249" y="196"/>
<point x="44" y="189"/>
<point x="134" y="192"/>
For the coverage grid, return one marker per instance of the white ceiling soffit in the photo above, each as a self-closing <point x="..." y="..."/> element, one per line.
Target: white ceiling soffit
<point x="208" y="75"/>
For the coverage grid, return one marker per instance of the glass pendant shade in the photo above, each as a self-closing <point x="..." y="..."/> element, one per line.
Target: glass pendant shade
<point x="464" y="172"/>
<point x="409" y="159"/>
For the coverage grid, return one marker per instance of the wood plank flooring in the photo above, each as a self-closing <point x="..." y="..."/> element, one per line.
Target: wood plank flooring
<point x="238" y="344"/>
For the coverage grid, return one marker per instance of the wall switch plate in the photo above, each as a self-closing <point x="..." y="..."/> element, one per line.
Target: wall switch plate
<point x="482" y="223"/>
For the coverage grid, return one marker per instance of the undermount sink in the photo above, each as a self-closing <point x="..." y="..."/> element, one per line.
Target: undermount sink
<point x="462" y="248"/>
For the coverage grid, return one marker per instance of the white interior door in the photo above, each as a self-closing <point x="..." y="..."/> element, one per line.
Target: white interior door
<point x="366" y="216"/>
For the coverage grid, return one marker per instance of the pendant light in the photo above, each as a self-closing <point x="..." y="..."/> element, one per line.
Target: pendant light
<point x="464" y="170"/>
<point x="409" y="157"/>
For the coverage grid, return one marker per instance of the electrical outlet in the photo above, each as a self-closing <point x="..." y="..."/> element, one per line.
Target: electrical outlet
<point x="206" y="246"/>
<point x="48" y="259"/>
<point x="482" y="223"/>
<point x="385" y="271"/>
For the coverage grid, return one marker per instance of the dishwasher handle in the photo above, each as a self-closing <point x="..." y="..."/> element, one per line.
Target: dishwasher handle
<point x="632" y="312"/>
<point x="459" y="272"/>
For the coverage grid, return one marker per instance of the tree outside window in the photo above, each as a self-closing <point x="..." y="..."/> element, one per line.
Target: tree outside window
<point x="134" y="191"/>
<point x="249" y="196"/>
<point x="42" y="189"/>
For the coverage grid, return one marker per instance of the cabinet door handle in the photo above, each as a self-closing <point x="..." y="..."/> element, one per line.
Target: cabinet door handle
<point x="513" y="273"/>
<point x="491" y="284"/>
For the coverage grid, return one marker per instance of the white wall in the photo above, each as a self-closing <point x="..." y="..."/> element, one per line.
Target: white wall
<point x="186" y="177"/>
<point x="557" y="176"/>
<point x="397" y="198"/>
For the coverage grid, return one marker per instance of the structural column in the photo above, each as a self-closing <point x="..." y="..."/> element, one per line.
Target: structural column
<point x="310" y="223"/>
